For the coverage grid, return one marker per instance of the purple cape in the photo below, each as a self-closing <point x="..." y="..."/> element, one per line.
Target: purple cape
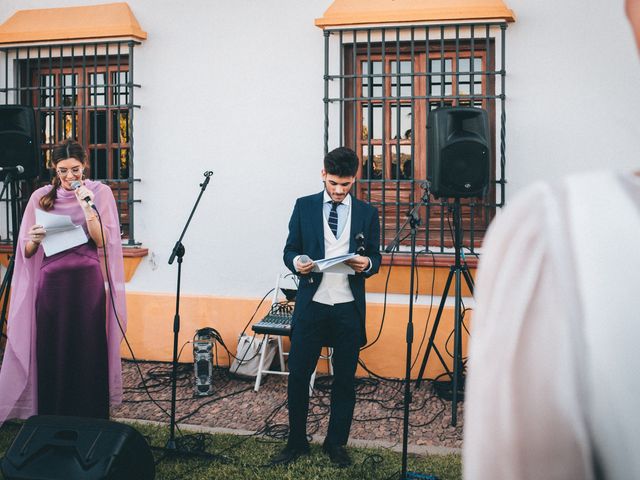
<point x="18" y="376"/>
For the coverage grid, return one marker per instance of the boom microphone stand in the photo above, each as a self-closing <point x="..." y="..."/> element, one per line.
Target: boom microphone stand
<point x="413" y="220"/>
<point x="457" y="270"/>
<point x="178" y="251"/>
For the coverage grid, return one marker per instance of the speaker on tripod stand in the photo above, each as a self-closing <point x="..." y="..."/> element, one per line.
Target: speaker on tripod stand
<point x="459" y="166"/>
<point x="19" y="151"/>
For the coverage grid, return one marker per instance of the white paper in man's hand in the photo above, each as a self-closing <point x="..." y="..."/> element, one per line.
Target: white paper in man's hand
<point x="335" y="264"/>
<point x="61" y="233"/>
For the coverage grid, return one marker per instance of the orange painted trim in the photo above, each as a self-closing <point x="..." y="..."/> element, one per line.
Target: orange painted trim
<point x="423" y="260"/>
<point x="427" y="281"/>
<point x="354" y="12"/>
<point x="150" y="330"/>
<point x="131" y="257"/>
<point x="71" y="23"/>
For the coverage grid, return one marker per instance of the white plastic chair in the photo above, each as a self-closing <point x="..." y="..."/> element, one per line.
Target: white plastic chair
<point x="288" y="283"/>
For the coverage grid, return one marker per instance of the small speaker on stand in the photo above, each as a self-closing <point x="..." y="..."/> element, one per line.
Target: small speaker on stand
<point x="459" y="153"/>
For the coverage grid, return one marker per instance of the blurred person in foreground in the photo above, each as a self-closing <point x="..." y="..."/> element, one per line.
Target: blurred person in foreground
<point x="553" y="382"/>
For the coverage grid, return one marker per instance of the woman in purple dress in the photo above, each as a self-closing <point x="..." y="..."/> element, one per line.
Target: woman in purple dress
<point x="67" y="312"/>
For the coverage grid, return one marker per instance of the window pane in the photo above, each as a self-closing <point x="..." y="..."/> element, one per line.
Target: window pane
<point x="120" y="90"/>
<point x="120" y="163"/>
<point x="372" y="85"/>
<point x="465" y="86"/>
<point x="120" y="127"/>
<point x="97" y="127"/>
<point x="70" y="125"/>
<point x="47" y="90"/>
<point x="372" y="122"/>
<point x="98" y="163"/>
<point x="405" y="79"/>
<point x="372" y="170"/>
<point x="69" y="85"/>
<point x="97" y="89"/>
<point x="47" y="123"/>
<point x="402" y="170"/>
<point x="439" y="83"/>
<point x="405" y="121"/>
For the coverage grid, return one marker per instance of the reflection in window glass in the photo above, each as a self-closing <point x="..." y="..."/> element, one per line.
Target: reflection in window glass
<point x="464" y="81"/>
<point x="374" y="79"/>
<point x="405" y="121"/>
<point x="372" y="166"/>
<point x="120" y="162"/>
<point x="405" y="79"/>
<point x="47" y="90"/>
<point x="97" y="89"/>
<point x="120" y="127"/>
<point x="69" y="82"/>
<point x="372" y="122"/>
<point x="119" y="82"/>
<point x="402" y="170"/>
<point x="70" y="125"/>
<point x="47" y="127"/>
<point x="440" y="84"/>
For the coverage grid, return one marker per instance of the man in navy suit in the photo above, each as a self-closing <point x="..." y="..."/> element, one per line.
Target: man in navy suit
<point x="330" y="307"/>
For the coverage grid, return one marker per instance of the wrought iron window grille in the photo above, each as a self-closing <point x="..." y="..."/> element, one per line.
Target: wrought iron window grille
<point x="83" y="91"/>
<point x="380" y="84"/>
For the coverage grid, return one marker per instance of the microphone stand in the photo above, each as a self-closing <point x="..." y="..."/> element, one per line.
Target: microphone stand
<point x="10" y="183"/>
<point x="178" y="251"/>
<point x="413" y="220"/>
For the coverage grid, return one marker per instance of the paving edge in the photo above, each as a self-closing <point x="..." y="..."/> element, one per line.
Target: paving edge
<point x="354" y="442"/>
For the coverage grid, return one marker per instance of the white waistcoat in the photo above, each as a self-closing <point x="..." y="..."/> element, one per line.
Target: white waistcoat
<point x="334" y="287"/>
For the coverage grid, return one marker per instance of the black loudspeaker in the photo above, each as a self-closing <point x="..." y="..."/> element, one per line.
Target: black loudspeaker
<point x="459" y="154"/>
<point x="73" y="448"/>
<point x="19" y="144"/>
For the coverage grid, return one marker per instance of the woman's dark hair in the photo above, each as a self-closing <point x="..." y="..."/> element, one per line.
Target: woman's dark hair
<point x="342" y="162"/>
<point x="61" y="151"/>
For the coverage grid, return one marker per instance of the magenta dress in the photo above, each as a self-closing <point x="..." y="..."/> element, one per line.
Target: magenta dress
<point x="71" y="326"/>
<point x="63" y="351"/>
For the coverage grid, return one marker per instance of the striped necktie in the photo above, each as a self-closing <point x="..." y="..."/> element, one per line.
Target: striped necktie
<point x="333" y="218"/>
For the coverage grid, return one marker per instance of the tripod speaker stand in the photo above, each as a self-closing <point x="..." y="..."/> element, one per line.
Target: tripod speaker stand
<point x="459" y="167"/>
<point x="457" y="271"/>
<point x="11" y="185"/>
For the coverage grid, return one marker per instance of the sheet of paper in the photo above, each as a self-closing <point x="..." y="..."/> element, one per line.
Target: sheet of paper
<point x="61" y="235"/>
<point x="334" y="264"/>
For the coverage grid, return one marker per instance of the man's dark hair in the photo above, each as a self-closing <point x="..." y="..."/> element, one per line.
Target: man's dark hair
<point x="342" y="162"/>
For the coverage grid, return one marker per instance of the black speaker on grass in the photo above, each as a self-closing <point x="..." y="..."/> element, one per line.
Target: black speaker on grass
<point x="72" y="448"/>
<point x="459" y="153"/>
<point x="19" y="144"/>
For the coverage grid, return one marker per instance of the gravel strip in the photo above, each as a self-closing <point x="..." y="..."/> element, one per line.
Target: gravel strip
<point x="378" y="415"/>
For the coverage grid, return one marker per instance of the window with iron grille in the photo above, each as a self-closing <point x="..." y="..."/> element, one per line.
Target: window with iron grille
<point x="381" y="83"/>
<point x="84" y="92"/>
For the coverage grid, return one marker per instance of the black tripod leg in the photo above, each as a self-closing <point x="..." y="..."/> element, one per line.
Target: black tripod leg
<point x="469" y="279"/>
<point x="434" y="329"/>
<point x="4" y="293"/>
<point x="457" y="349"/>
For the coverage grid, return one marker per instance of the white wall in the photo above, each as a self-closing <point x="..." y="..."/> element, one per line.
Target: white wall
<point x="236" y="87"/>
<point x="573" y="101"/>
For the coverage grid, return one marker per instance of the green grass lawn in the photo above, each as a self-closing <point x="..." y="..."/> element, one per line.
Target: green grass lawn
<point x="241" y="458"/>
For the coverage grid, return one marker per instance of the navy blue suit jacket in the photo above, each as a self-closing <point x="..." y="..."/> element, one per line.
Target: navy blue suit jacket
<point x="306" y="236"/>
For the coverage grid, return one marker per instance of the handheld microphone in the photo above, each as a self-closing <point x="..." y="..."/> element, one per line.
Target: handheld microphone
<point x="76" y="185"/>
<point x="360" y="250"/>
<point x="17" y="169"/>
<point x="304" y="259"/>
